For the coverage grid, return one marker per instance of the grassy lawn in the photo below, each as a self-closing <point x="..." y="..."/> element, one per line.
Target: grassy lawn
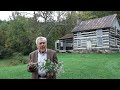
<point x="14" y="72"/>
<point x="76" y="66"/>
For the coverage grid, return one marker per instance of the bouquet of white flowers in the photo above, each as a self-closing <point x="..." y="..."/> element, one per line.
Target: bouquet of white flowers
<point x="51" y="67"/>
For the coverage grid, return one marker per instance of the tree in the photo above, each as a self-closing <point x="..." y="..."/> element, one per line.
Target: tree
<point x="46" y="15"/>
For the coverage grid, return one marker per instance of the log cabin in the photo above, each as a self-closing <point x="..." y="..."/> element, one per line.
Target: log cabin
<point x="99" y="34"/>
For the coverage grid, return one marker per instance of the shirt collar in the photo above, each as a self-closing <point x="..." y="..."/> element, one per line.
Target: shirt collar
<point x="42" y="53"/>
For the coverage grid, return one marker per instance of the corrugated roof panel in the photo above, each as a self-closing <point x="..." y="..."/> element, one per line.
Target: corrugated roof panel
<point x="95" y="23"/>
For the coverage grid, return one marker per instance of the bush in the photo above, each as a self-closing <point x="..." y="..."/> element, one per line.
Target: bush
<point x="19" y="58"/>
<point x="14" y="62"/>
<point x="5" y="52"/>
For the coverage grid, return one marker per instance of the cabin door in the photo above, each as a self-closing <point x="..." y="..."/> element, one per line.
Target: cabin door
<point x="88" y="45"/>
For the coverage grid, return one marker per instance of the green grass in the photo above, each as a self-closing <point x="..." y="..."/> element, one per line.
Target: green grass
<point x="91" y="66"/>
<point x="14" y="72"/>
<point x="76" y="66"/>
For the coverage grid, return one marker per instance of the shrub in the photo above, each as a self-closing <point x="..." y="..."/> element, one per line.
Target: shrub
<point x="19" y="58"/>
<point x="5" y="52"/>
<point x="14" y="62"/>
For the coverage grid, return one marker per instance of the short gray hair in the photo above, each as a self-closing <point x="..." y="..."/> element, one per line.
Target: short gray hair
<point x="41" y="38"/>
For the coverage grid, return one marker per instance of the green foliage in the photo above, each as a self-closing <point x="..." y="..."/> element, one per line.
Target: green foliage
<point x="5" y="52"/>
<point x="14" y="62"/>
<point x="18" y="58"/>
<point x="19" y="33"/>
<point x="51" y="67"/>
<point x="86" y="15"/>
<point x="2" y="37"/>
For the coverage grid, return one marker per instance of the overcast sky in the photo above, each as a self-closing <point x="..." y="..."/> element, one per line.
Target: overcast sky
<point x="4" y="15"/>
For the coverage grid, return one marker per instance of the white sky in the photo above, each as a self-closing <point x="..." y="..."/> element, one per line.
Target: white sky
<point x="4" y="15"/>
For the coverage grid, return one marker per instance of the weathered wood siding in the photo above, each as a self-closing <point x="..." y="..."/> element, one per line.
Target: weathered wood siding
<point x="115" y="35"/>
<point x="81" y="38"/>
<point x="66" y="44"/>
<point x="109" y="37"/>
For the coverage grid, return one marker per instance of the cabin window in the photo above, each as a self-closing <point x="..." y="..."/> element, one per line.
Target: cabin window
<point x="99" y="41"/>
<point x="79" y="34"/>
<point x="78" y="42"/>
<point x="99" y="37"/>
<point x="57" y="45"/>
<point x="99" y="32"/>
<point x="61" y="44"/>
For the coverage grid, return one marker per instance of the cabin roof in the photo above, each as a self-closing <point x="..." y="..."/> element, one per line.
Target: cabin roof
<point x="98" y="23"/>
<point x="67" y="36"/>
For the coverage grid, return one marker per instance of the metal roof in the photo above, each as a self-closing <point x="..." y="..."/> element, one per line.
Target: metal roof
<point x="104" y="22"/>
<point x="67" y="36"/>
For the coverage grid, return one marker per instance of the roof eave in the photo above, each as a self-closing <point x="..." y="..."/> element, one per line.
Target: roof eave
<point x="91" y="29"/>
